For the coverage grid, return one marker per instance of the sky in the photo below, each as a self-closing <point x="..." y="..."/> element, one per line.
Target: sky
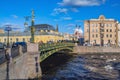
<point x="64" y="13"/>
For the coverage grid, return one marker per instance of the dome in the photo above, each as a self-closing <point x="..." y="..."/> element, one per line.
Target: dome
<point x="101" y="17"/>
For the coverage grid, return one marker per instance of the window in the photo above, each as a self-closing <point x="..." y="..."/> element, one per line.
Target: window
<point x="23" y="39"/>
<point x="5" y="40"/>
<point x="96" y="35"/>
<point x="87" y="25"/>
<point x="17" y="39"/>
<point x="92" y="25"/>
<point x="96" y="30"/>
<point x="93" y="35"/>
<point x="110" y="25"/>
<point x="95" y="41"/>
<point x="107" y="25"/>
<point x="92" y="30"/>
<point x="96" y="25"/>
<point x="107" y="35"/>
<point x="111" y="35"/>
<point x="87" y="30"/>
<point x="107" y="30"/>
<point x="101" y="24"/>
<point x="102" y="35"/>
<point x="110" y="30"/>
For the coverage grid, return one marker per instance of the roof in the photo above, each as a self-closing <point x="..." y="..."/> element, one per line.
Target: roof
<point x="39" y="27"/>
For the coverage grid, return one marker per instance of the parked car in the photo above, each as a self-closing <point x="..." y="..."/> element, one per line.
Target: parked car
<point x="19" y="43"/>
<point x="97" y="45"/>
<point x="2" y="46"/>
<point x="87" y="44"/>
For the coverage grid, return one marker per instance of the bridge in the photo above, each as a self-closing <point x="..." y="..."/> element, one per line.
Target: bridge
<point x="26" y="65"/>
<point x="48" y="49"/>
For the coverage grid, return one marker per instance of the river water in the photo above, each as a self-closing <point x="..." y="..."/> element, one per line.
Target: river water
<point x="80" y="67"/>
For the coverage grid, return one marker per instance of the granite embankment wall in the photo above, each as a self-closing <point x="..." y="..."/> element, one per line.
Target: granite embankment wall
<point x="96" y="49"/>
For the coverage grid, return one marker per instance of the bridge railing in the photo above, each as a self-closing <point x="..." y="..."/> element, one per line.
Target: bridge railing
<point x="52" y="45"/>
<point x="47" y="47"/>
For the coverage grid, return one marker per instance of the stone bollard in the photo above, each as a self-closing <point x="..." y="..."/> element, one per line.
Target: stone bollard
<point x="34" y="55"/>
<point x="20" y="49"/>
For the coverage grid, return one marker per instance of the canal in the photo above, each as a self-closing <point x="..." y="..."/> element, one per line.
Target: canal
<point x="61" y="66"/>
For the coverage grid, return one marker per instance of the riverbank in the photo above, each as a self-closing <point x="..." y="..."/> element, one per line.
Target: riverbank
<point x="95" y="49"/>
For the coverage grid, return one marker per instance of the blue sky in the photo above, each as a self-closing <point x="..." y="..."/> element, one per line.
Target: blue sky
<point x="65" y="13"/>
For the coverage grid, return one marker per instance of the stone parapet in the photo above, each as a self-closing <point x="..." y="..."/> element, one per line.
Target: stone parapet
<point x="95" y="49"/>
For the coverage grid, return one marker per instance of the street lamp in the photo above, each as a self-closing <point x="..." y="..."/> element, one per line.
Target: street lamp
<point x="32" y="27"/>
<point x="8" y="28"/>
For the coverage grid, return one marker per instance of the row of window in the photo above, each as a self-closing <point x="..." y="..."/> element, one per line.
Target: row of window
<point x="17" y="39"/>
<point x="96" y="35"/>
<point x="96" y="25"/>
<point x="107" y="30"/>
<point x="109" y="41"/>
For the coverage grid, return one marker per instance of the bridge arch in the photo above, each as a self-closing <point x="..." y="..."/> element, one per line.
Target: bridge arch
<point x="48" y="50"/>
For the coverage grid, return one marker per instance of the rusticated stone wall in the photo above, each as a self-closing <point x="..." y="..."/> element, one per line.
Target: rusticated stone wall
<point x="24" y="66"/>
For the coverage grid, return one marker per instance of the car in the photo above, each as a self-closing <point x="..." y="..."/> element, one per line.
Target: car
<point x="19" y="43"/>
<point x="2" y="46"/>
<point x="97" y="45"/>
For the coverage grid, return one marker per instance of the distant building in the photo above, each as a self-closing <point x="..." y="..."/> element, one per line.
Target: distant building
<point x="43" y="32"/>
<point x="78" y="33"/>
<point x="44" y="28"/>
<point x="1" y="31"/>
<point x="101" y="31"/>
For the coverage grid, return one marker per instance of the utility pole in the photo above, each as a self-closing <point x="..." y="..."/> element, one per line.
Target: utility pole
<point x="32" y="27"/>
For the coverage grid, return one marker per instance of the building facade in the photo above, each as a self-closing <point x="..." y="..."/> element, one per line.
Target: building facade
<point x="43" y="32"/>
<point x="119" y="34"/>
<point x="101" y="31"/>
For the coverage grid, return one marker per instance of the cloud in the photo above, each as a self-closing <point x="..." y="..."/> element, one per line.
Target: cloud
<point x="70" y="25"/>
<point x="79" y="21"/>
<point x="12" y="25"/>
<point x="59" y="10"/>
<point x="79" y="3"/>
<point x="14" y="16"/>
<point x="63" y="18"/>
<point x="74" y="10"/>
<point x="67" y="18"/>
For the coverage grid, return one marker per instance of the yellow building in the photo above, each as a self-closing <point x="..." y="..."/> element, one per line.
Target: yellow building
<point x="101" y="31"/>
<point x="43" y="32"/>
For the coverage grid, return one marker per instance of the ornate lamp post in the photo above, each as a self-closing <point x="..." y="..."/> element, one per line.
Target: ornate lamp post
<point x="8" y="28"/>
<point x="32" y="27"/>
